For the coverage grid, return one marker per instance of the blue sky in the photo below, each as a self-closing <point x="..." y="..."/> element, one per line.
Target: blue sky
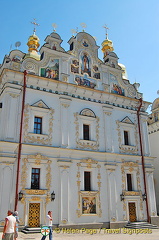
<point x="133" y="28"/>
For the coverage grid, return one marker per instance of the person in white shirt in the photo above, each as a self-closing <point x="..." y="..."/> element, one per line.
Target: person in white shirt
<point x="9" y="227"/>
<point x="49" y="224"/>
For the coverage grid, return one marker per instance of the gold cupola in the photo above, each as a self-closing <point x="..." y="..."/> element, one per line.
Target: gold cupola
<point x="33" y="44"/>
<point x="107" y="45"/>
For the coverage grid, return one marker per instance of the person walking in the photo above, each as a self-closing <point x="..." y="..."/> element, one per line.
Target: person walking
<point x="9" y="227"/>
<point x="49" y="224"/>
<point x="17" y="221"/>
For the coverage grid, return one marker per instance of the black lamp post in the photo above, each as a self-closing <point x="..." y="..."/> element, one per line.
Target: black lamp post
<point x="20" y="195"/>
<point x="52" y="196"/>
<point x="122" y="197"/>
<point x="144" y="196"/>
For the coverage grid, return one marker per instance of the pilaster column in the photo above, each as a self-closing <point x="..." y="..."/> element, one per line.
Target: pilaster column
<point x="64" y="115"/>
<point x="108" y="129"/>
<point x="64" y="191"/>
<point x="112" y="192"/>
<point x="151" y="192"/>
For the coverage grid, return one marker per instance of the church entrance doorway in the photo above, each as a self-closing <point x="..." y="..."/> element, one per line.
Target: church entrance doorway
<point x="34" y="214"/>
<point x="132" y="212"/>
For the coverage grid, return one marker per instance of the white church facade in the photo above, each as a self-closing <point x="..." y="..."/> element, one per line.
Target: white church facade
<point x="73" y="137"/>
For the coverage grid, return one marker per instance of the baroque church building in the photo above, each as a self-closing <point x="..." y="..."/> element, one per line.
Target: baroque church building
<point x="73" y="137"/>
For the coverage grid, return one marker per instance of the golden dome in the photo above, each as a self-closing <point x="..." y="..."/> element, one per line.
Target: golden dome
<point x="107" y="46"/>
<point x="33" y="43"/>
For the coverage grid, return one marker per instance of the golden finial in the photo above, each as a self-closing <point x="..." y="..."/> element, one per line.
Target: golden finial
<point x="106" y="30"/>
<point x="84" y="26"/>
<point x="35" y="24"/>
<point x="54" y="26"/>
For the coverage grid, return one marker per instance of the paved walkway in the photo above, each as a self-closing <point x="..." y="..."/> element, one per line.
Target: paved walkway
<point x="120" y="234"/>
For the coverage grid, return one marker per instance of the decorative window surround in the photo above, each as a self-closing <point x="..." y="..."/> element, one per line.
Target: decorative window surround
<point x="47" y="114"/>
<point x="89" y="119"/>
<point x="34" y="161"/>
<point x="88" y="164"/>
<point x="127" y="125"/>
<point x="129" y="167"/>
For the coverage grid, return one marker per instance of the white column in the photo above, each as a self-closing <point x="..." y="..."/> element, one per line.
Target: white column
<point x="112" y="192"/>
<point x="64" y="195"/>
<point x="64" y="191"/>
<point x="108" y="129"/>
<point x="151" y="192"/>
<point x="65" y="103"/>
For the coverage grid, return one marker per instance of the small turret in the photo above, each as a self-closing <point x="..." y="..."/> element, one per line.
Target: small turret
<point x="33" y="44"/>
<point x="107" y="45"/>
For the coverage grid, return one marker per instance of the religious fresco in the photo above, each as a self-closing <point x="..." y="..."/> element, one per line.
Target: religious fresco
<point x="85" y="66"/>
<point x="52" y="70"/>
<point x="115" y="87"/>
<point x="75" y="66"/>
<point x="89" y="205"/>
<point x="85" y="44"/>
<point x="83" y="81"/>
<point x="96" y="73"/>
<point x="16" y="58"/>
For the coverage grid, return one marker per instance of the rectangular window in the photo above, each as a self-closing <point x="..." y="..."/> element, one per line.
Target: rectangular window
<point x="38" y="125"/>
<point x="126" y="137"/>
<point x="129" y="182"/>
<point x="35" y="178"/>
<point x="85" y="132"/>
<point x="87" y="181"/>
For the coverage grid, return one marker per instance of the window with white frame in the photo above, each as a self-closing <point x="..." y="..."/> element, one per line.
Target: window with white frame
<point x="87" y="129"/>
<point x="87" y="124"/>
<point x="38" y="123"/>
<point x="127" y="136"/>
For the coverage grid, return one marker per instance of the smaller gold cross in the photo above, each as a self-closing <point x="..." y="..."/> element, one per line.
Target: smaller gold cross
<point x="106" y="30"/>
<point x="35" y="24"/>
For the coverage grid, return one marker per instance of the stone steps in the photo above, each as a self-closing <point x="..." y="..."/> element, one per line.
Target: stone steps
<point x="31" y="230"/>
<point x="141" y="225"/>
